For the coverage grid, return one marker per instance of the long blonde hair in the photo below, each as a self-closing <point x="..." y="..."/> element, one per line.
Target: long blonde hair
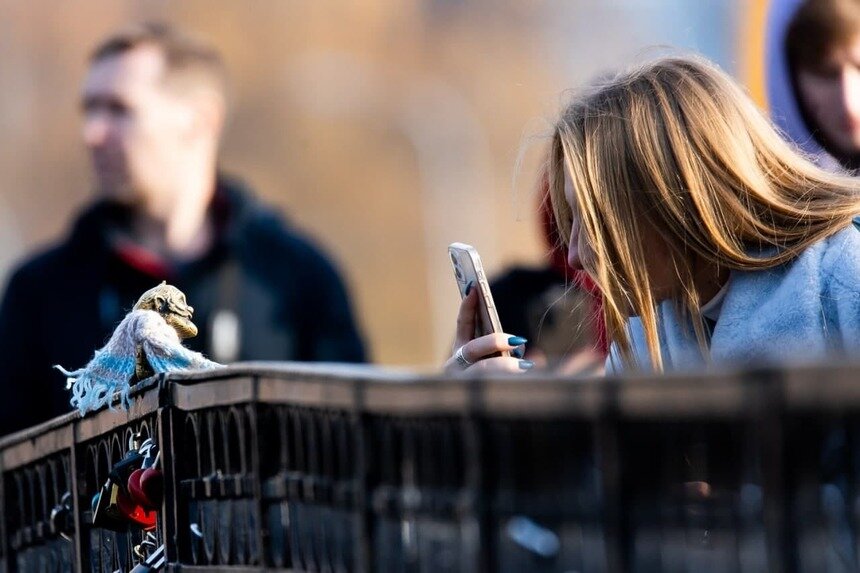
<point x="676" y="146"/>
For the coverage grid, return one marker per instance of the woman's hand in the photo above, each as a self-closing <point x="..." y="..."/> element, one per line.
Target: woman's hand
<point x="470" y="355"/>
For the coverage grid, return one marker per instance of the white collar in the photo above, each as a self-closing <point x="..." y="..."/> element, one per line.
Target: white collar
<point x="711" y="309"/>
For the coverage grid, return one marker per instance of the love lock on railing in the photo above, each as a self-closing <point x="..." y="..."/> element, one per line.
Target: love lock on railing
<point x="149" y="561"/>
<point x="152" y="556"/>
<point x="133" y="492"/>
<point x="154" y="562"/>
<point x="61" y="522"/>
<point x="131" y="497"/>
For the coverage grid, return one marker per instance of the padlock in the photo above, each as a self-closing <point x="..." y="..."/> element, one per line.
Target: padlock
<point x="133" y="512"/>
<point x="147" y="545"/>
<point x="60" y="520"/>
<point x="155" y="562"/>
<point x="152" y="485"/>
<point x="143" y="446"/>
<point x="122" y="469"/>
<point x="132" y="460"/>
<point x="150" y="452"/>
<point x="146" y="487"/>
<point x="136" y="493"/>
<point x="107" y="514"/>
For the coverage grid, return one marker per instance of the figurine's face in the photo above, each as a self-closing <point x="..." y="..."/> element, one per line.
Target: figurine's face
<point x="170" y="303"/>
<point x="179" y="314"/>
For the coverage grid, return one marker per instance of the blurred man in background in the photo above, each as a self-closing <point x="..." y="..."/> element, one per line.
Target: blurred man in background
<point x="814" y="77"/>
<point x="154" y="103"/>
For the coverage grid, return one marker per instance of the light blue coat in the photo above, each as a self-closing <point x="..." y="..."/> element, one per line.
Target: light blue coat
<point x="804" y="311"/>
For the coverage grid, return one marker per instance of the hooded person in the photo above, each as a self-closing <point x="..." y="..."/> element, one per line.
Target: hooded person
<point x="813" y="78"/>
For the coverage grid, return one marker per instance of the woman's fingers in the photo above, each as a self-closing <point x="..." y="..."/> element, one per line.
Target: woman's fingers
<point x="467" y="317"/>
<point x="483" y="346"/>
<point x="500" y="364"/>
<point x="477" y="350"/>
<point x="468" y="352"/>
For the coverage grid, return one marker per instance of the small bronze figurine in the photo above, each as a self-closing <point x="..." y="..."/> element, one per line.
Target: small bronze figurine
<point x="148" y="341"/>
<point x="169" y="302"/>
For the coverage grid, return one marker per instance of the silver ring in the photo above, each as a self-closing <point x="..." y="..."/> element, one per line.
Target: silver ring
<point x="461" y="359"/>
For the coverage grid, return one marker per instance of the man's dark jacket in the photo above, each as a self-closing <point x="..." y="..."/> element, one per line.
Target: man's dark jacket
<point x="62" y="305"/>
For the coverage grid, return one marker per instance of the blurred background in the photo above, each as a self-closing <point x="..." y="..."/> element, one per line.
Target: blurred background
<point x="386" y="128"/>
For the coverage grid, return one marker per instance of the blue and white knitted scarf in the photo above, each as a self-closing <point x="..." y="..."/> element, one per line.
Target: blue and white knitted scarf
<point x="112" y="367"/>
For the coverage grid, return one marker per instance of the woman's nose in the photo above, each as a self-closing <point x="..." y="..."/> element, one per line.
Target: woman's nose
<point x="573" y="255"/>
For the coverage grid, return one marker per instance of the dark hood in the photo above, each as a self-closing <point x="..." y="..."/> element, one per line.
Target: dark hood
<point x="781" y="95"/>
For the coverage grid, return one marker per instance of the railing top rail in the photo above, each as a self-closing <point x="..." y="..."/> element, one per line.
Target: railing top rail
<point x="380" y="390"/>
<point x="375" y="390"/>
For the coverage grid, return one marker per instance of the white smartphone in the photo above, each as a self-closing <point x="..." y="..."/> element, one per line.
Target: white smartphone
<point x="468" y="269"/>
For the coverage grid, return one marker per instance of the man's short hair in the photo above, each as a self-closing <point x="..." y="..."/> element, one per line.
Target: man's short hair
<point x="819" y="26"/>
<point x="187" y="59"/>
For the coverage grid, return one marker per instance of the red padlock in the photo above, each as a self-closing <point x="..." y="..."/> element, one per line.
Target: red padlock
<point x="134" y="512"/>
<point x="137" y="494"/>
<point x="152" y="486"/>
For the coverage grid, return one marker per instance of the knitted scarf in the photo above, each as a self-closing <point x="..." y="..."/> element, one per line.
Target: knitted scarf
<point x="112" y="367"/>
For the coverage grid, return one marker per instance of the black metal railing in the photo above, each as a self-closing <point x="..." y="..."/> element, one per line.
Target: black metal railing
<point x="328" y="468"/>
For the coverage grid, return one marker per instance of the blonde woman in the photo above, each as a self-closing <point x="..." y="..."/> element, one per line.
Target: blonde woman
<point x="712" y="240"/>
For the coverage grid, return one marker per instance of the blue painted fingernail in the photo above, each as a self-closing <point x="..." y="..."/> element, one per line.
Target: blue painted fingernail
<point x="469" y="287"/>
<point x="526" y="364"/>
<point x="517" y="341"/>
<point x="518" y="352"/>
